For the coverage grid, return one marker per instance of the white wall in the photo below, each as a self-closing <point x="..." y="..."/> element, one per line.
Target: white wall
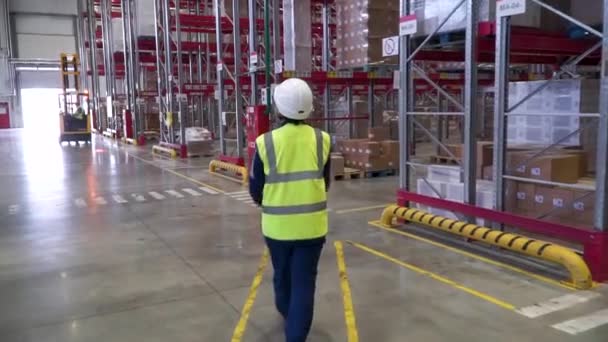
<point x="44" y="6"/>
<point x="42" y="36"/>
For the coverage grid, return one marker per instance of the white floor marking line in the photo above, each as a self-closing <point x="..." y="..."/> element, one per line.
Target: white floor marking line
<point x="237" y="193"/>
<point x="138" y="197"/>
<point x="241" y="196"/>
<point x="156" y="195"/>
<point x="119" y="199"/>
<point x="192" y="192"/>
<point x="243" y="199"/>
<point x="583" y="323"/>
<point x="101" y="201"/>
<point x="13" y="209"/>
<point x="174" y="194"/>
<point x="209" y="191"/>
<point x="557" y="304"/>
<point x="80" y="203"/>
<point x="249" y="202"/>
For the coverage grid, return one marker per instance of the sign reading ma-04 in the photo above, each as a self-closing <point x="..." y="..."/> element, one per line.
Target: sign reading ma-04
<point x="408" y="25"/>
<point x="505" y="8"/>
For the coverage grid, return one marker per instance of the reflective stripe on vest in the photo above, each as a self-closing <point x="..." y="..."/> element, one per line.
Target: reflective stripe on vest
<point x="274" y="176"/>
<point x="295" y="209"/>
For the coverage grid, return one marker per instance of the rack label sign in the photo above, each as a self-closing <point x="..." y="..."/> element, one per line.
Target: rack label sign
<point x="390" y="46"/>
<point x="278" y="66"/>
<point x="253" y="58"/>
<point x="220" y="66"/>
<point x="505" y="8"/>
<point x="408" y="25"/>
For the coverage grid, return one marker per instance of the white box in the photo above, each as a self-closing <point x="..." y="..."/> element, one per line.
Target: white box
<point x="424" y="189"/>
<point x="443" y="173"/>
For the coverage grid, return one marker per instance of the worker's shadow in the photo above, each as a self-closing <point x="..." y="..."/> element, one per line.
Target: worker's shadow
<point x="277" y="334"/>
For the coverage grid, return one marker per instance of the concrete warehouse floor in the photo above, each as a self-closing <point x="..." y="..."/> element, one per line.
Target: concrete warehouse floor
<point x="108" y="243"/>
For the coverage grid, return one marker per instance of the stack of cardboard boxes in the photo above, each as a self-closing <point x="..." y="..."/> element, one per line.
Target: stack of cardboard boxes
<point x="485" y="154"/>
<point x="361" y="26"/>
<point x="377" y="153"/>
<point x="557" y="204"/>
<point x="549" y="202"/>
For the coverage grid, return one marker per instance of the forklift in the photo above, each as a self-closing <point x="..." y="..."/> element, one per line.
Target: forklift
<point x="74" y="110"/>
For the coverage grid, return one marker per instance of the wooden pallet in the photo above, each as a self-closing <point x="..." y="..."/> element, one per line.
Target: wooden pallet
<point x="382" y="173"/>
<point x="349" y="174"/>
<point x="444" y="160"/>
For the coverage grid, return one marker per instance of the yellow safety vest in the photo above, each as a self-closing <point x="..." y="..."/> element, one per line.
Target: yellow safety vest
<point x="294" y="206"/>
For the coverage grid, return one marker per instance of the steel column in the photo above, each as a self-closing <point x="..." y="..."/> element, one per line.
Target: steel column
<point x="106" y="14"/>
<point x="181" y="115"/>
<point x="350" y="110"/>
<point x="404" y="104"/>
<point x="253" y="47"/>
<point x="470" y="103"/>
<point x="220" y="73"/>
<point x="276" y="29"/>
<point x="325" y="66"/>
<point x="601" y="197"/>
<point x="199" y="68"/>
<point x="94" y="91"/>
<point x="240" y="138"/>
<point x="500" y="107"/>
<point x="168" y="68"/>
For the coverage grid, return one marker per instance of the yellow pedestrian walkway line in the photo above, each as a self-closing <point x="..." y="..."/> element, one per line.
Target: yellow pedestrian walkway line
<point x="437" y="277"/>
<point x="239" y="330"/>
<point x="349" y="311"/>
<point x="175" y="173"/>
<point x="554" y="282"/>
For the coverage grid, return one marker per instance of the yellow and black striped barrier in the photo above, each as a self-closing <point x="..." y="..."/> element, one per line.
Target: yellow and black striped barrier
<point x="239" y="171"/>
<point x="164" y="150"/>
<point x="580" y="275"/>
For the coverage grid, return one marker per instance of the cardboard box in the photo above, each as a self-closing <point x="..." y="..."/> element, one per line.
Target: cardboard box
<point x="524" y="196"/>
<point x="542" y="200"/>
<point x="488" y="173"/>
<point x="583" y="207"/>
<point x="514" y="161"/>
<point x="456" y="150"/>
<point x="555" y="168"/>
<point x="337" y="165"/>
<point x="553" y="203"/>
<point x="379" y="133"/>
<point x="390" y="149"/>
<point x="350" y="146"/>
<point x="370" y="147"/>
<point x="582" y="159"/>
<point x="510" y="196"/>
<point x="485" y="156"/>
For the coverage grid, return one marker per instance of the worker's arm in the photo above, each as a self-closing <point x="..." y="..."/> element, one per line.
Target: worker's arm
<point x="327" y="172"/>
<point x="257" y="179"/>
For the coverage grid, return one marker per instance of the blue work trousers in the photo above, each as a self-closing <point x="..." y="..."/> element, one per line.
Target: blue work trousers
<point x="295" y="274"/>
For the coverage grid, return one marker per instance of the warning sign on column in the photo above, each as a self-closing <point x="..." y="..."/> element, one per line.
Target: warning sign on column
<point x="390" y="46"/>
<point x="408" y="25"/>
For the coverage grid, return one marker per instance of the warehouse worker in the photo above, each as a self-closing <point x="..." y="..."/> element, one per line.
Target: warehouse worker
<point x="289" y="179"/>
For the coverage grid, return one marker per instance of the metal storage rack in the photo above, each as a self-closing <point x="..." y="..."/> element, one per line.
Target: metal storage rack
<point x="510" y="47"/>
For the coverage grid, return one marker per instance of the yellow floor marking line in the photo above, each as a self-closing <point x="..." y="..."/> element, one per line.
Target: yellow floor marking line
<point x="239" y="330"/>
<point x="437" y="277"/>
<point x="354" y="210"/>
<point x="349" y="312"/>
<point x="175" y="173"/>
<point x="554" y="282"/>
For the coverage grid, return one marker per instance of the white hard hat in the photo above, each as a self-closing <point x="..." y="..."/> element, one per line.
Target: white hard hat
<point x="293" y="99"/>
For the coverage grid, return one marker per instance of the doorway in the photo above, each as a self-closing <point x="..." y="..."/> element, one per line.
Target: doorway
<point x="40" y="108"/>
